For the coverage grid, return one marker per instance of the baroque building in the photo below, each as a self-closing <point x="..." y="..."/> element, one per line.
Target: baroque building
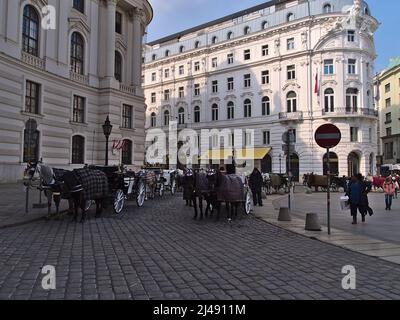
<point x="65" y="66"/>
<point x="282" y="65"/>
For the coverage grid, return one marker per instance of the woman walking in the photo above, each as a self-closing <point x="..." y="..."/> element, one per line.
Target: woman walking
<point x="354" y="192"/>
<point x="389" y="189"/>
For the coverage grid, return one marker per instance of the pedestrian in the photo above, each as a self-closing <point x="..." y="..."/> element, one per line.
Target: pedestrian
<point x="366" y="188"/>
<point x="354" y="194"/>
<point x="396" y="187"/>
<point x="255" y="182"/>
<point x="389" y="189"/>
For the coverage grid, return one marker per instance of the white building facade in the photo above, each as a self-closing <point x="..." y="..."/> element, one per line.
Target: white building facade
<point x="283" y="65"/>
<point x="65" y="66"/>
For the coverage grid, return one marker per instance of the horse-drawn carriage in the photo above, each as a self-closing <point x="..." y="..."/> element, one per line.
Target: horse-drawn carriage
<point x="321" y="181"/>
<point x="158" y="181"/>
<point x="273" y="182"/>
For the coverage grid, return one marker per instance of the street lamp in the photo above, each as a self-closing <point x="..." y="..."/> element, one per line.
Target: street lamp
<point x="107" y="129"/>
<point x="280" y="163"/>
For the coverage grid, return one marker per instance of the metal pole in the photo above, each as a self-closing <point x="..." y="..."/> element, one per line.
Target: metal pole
<point x="106" y="151"/>
<point x="289" y="168"/>
<point x="27" y="199"/>
<point x="329" y="192"/>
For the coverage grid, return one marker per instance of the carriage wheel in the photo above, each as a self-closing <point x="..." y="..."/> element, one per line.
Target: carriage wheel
<point x="173" y="187"/>
<point x="161" y="191"/>
<point x="141" y="195"/>
<point x="248" y="203"/>
<point x="119" y="201"/>
<point x="88" y="204"/>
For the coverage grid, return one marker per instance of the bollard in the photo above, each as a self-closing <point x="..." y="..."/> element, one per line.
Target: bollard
<point x="284" y="214"/>
<point x="281" y="192"/>
<point x="308" y="190"/>
<point x="312" y="222"/>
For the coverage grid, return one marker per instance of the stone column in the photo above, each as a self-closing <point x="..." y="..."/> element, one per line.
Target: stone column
<point x="137" y="47"/>
<point x="111" y="9"/>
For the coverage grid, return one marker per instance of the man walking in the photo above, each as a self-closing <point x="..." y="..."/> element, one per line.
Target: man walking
<point x="255" y="182"/>
<point x="354" y="193"/>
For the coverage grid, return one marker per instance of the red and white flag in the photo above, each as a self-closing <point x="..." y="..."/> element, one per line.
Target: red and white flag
<point x="317" y="84"/>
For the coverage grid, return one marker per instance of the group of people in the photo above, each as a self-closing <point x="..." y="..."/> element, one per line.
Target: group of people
<point x="357" y="192"/>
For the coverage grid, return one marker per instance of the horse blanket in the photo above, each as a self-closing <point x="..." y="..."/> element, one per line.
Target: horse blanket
<point x="201" y="183"/>
<point x="94" y="183"/>
<point x="231" y="189"/>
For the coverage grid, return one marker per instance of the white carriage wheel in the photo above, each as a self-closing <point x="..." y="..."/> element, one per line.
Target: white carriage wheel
<point x="141" y="196"/>
<point x="119" y="201"/>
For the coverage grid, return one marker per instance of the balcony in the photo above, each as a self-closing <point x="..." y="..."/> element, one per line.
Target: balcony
<point x="127" y="89"/>
<point x="345" y="112"/>
<point x="33" y="61"/>
<point x="77" y="77"/>
<point x="291" y="116"/>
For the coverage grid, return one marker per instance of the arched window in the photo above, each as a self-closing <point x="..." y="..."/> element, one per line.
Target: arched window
<point x="154" y="57"/>
<point x="246" y="30"/>
<point x="266" y="106"/>
<point x="197" y="44"/>
<point x="30" y="31"/>
<point x="182" y="49"/>
<point x="118" y="66"/>
<point x="351" y="100"/>
<point x="167" y="53"/>
<point x="290" y="17"/>
<point x="215" y="111"/>
<point x="153" y="120"/>
<point x="78" y="150"/>
<point x="127" y="153"/>
<point x="247" y="108"/>
<point x="181" y="116"/>
<point x="214" y="40"/>
<point x="229" y="36"/>
<point x="166" y="118"/>
<point x="327" y="8"/>
<point x="291" y="101"/>
<point x="31" y="142"/>
<point x="329" y="97"/>
<point x="231" y="110"/>
<point x="366" y="11"/>
<point x="264" y="25"/>
<point x="196" y="114"/>
<point x="77" y="53"/>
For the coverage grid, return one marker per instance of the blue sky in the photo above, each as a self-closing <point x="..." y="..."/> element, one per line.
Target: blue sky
<point x="171" y="16"/>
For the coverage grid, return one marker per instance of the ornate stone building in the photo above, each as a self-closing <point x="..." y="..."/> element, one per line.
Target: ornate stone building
<point x="282" y="65"/>
<point x="65" y="65"/>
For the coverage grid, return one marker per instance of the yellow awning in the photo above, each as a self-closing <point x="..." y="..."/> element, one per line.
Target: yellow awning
<point x="241" y="154"/>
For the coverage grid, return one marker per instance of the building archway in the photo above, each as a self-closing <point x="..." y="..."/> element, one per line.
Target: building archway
<point x="333" y="164"/>
<point x="353" y="161"/>
<point x="294" y="166"/>
<point x="266" y="164"/>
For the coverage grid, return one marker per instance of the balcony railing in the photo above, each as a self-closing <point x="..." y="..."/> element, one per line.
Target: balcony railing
<point x="81" y="78"/>
<point x="291" y="116"/>
<point x="33" y="61"/>
<point x="351" y="112"/>
<point x="127" y="89"/>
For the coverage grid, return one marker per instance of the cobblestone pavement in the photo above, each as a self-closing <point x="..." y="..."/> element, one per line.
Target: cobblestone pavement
<point x="159" y="252"/>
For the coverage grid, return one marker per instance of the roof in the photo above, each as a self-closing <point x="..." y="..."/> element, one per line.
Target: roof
<point x="217" y="21"/>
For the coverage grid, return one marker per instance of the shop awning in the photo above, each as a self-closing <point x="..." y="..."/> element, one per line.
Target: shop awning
<point x="241" y="154"/>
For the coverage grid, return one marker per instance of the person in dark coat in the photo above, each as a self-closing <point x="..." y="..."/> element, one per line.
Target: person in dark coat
<point x="366" y="188"/>
<point x="255" y="183"/>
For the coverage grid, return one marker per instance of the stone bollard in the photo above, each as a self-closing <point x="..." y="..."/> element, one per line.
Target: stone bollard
<point x="281" y="192"/>
<point x="284" y="214"/>
<point x="312" y="222"/>
<point x="308" y="190"/>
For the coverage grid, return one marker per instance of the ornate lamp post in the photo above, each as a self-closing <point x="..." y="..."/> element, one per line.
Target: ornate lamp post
<point x="107" y="129"/>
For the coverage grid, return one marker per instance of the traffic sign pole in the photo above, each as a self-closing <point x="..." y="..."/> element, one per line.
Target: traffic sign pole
<point x="329" y="193"/>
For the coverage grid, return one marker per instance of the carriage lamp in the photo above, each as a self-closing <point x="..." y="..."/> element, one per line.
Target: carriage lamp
<point x="107" y="129"/>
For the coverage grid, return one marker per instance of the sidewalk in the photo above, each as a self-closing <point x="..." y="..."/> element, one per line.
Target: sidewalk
<point x="378" y="237"/>
<point x="12" y="205"/>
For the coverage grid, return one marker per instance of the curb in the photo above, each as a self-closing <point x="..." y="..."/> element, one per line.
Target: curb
<point x="22" y="223"/>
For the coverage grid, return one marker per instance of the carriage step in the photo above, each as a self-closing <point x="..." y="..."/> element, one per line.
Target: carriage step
<point x="284" y="214"/>
<point x="312" y="222"/>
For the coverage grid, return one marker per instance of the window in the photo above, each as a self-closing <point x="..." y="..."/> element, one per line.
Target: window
<point x="230" y="58"/>
<point x="30" y="32"/>
<point x="32" y="97"/>
<point x="351" y="100"/>
<point x="329" y="97"/>
<point x="153" y="77"/>
<point x="214" y="112"/>
<point x="388" y="132"/>
<point x="248" y="139"/>
<point x="265" y="106"/>
<point x="328" y="66"/>
<point x="167" y="53"/>
<point x="327" y="8"/>
<point x="197" y="66"/>
<point x="353" y="134"/>
<point x="196" y="114"/>
<point x="231" y="111"/>
<point x="291" y="101"/>
<point x="387" y="88"/>
<point x="291" y="72"/>
<point x="181" y="49"/>
<point x="229" y="35"/>
<point x="118" y="66"/>
<point x="31" y="146"/>
<point x="166" y="95"/>
<point x="197" y="89"/>
<point x="197" y="44"/>
<point x="166" y="118"/>
<point x="181" y="92"/>
<point x="77" y="53"/>
<point x="351" y="66"/>
<point x="247" y="108"/>
<point x="290" y="17"/>
<point x="247" y="55"/>
<point x="181" y="70"/>
<point x="264" y="50"/>
<point x="118" y="22"/>
<point x="351" y="36"/>
<point x="78" y="150"/>
<point x="294" y="133"/>
<point x="153" y="120"/>
<point x="266" y="135"/>
<point x="246" y="30"/>
<point x="127" y="116"/>
<point x="166" y="73"/>
<point x="389" y="150"/>
<point x="265" y="77"/>
<point x="247" y="80"/>
<point x="215" y="86"/>
<point x="78" y="112"/>
<point x="181" y="116"/>
<point x="370" y="135"/>
<point x="153" y="97"/>
<point x="264" y="25"/>
<point x="214" y="40"/>
<point x="290" y="44"/>
<point x="388" y="102"/>
<point x="154" y="57"/>
<point x="79" y="5"/>
<point x="231" y="84"/>
<point x="214" y="62"/>
<point x="388" y="118"/>
<point x="127" y="153"/>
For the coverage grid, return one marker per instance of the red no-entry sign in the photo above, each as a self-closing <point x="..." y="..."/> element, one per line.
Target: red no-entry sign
<point x="328" y="136"/>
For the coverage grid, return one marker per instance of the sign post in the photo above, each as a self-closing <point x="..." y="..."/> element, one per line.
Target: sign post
<point x="328" y="136"/>
<point x="288" y="138"/>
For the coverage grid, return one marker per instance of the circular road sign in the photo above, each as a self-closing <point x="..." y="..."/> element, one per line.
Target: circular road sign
<point x="328" y="136"/>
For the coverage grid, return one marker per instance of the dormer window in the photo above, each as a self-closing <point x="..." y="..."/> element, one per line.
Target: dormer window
<point x="153" y="57"/>
<point x="247" y="30"/>
<point x="264" y="25"/>
<point x="290" y="17"/>
<point x="327" y="8"/>
<point x="167" y="53"/>
<point x="197" y="44"/>
<point x="229" y="35"/>
<point x="181" y="49"/>
<point x="214" y="40"/>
